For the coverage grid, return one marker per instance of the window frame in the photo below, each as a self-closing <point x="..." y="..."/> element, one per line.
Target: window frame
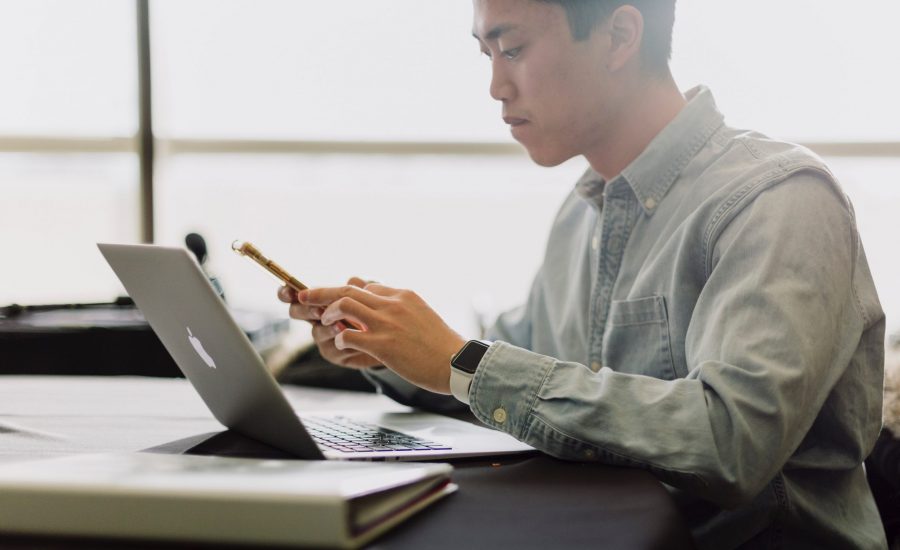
<point x="147" y="146"/>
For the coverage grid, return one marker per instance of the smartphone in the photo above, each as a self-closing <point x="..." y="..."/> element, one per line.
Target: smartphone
<point x="247" y="249"/>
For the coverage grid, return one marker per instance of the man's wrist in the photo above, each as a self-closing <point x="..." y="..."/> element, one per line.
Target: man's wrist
<point x="463" y="365"/>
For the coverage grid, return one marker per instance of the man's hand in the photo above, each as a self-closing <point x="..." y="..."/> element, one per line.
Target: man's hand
<point x="324" y="335"/>
<point x="398" y="330"/>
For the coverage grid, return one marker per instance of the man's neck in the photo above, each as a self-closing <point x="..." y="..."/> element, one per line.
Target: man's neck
<point x="639" y="119"/>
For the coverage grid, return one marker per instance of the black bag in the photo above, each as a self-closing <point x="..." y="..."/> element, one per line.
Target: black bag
<point x="883" y="472"/>
<point x="101" y="339"/>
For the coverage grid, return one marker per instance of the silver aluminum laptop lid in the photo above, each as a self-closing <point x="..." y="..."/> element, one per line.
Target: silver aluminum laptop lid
<point x="218" y="359"/>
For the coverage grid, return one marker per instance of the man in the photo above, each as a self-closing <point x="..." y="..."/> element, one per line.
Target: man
<point x="704" y="309"/>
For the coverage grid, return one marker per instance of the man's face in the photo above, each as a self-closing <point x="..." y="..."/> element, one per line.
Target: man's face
<point x="556" y="92"/>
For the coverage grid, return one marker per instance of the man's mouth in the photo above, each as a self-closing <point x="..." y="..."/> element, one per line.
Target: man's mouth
<point x="514" y="121"/>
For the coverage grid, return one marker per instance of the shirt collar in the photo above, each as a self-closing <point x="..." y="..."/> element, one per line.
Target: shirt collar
<point x="590" y="186"/>
<point x="652" y="173"/>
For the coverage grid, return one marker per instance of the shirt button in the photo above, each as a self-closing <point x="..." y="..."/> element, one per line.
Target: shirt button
<point x="500" y="415"/>
<point x="595" y="243"/>
<point x="650" y="203"/>
<point x="596" y="366"/>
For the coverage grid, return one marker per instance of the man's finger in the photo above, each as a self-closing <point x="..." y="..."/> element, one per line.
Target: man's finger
<point x="380" y="290"/>
<point x="349" y="358"/>
<point x="361" y="361"/>
<point x="287" y="295"/>
<point x="327" y="296"/>
<point x="305" y="313"/>
<point x="322" y="333"/>
<point x="347" y="309"/>
<point x="356" y="281"/>
<point x="352" y="340"/>
<point x="352" y="358"/>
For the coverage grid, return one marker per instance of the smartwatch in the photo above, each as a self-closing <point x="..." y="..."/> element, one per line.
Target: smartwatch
<point x="463" y="365"/>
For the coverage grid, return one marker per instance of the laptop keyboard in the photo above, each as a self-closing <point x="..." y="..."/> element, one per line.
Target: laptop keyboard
<point x="351" y="436"/>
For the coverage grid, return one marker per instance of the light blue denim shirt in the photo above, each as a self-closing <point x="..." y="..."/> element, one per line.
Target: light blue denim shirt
<point x="707" y="315"/>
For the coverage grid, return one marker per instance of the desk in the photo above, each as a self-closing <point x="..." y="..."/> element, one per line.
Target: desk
<point x="537" y="502"/>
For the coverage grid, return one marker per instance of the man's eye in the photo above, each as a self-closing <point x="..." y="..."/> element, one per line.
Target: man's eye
<point x="511" y="54"/>
<point x="486" y="53"/>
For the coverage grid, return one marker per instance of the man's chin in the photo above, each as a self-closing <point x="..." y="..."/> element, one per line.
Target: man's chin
<point x="548" y="159"/>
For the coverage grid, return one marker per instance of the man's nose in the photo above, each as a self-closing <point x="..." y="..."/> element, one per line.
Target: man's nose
<point x="502" y="88"/>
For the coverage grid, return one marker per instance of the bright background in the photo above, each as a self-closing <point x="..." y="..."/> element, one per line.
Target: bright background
<point x="359" y="71"/>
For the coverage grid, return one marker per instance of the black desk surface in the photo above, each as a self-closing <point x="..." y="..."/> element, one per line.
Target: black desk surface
<point x="536" y="502"/>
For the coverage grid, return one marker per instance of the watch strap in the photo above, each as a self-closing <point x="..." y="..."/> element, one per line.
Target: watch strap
<point x="460" y="382"/>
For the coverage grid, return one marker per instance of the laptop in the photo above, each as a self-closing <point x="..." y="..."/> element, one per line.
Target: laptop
<point x="215" y="355"/>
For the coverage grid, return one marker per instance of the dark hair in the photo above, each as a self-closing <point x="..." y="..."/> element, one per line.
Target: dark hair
<point x="659" y="19"/>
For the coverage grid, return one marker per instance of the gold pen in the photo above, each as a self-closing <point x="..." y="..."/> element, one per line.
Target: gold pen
<point x="247" y="249"/>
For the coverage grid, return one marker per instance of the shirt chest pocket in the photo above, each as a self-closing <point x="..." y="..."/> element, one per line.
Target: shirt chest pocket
<point x="636" y="339"/>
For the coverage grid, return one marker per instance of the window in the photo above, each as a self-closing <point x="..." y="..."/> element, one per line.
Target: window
<point x="300" y="125"/>
<point x="353" y="137"/>
<point x="805" y="70"/>
<point x="68" y="172"/>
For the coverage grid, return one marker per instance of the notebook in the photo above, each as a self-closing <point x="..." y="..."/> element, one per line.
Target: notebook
<point x="208" y="499"/>
<point x="200" y="334"/>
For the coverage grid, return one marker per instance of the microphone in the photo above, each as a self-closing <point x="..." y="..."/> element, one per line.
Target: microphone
<point x="197" y="245"/>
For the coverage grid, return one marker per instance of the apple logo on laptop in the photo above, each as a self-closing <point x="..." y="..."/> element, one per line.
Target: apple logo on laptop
<point x="198" y="347"/>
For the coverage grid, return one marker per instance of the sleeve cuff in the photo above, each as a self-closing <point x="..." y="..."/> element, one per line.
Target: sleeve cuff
<point x="506" y="385"/>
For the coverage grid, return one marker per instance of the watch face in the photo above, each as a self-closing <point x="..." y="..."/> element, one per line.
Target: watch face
<point x="470" y="356"/>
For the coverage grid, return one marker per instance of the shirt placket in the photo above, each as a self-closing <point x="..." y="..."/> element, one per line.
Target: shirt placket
<point x="608" y="247"/>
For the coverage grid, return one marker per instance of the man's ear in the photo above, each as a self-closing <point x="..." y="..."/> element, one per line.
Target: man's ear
<point x="626" y="28"/>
